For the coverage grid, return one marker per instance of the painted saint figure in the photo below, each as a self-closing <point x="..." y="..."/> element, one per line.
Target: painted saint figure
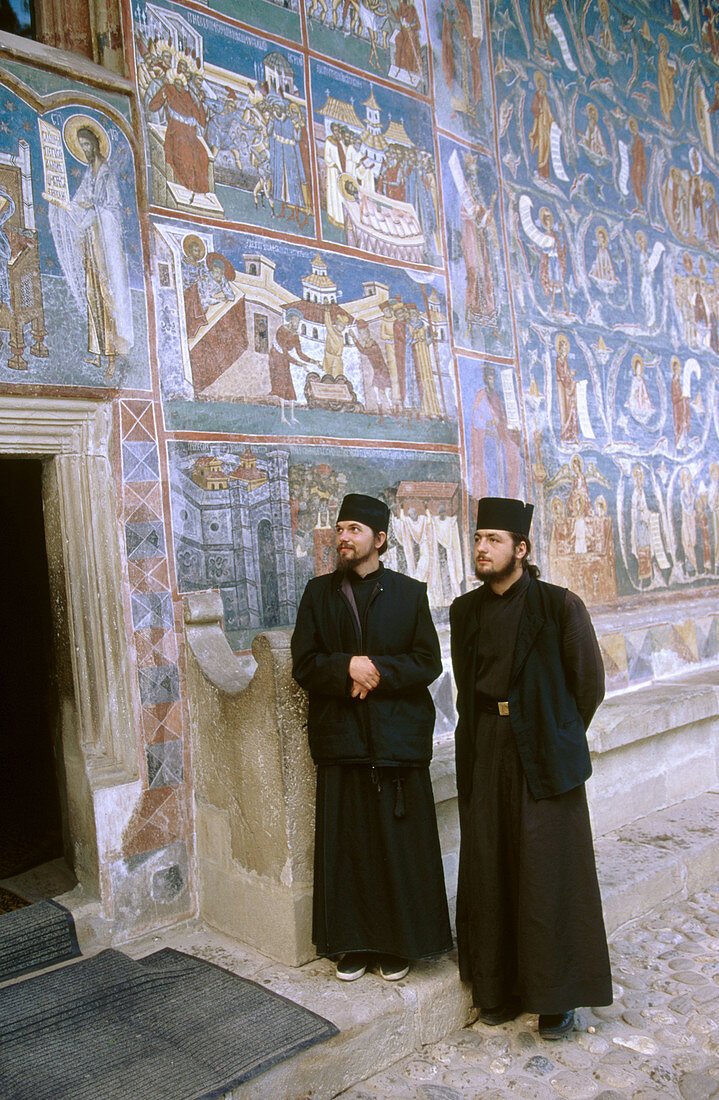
<point x="666" y="71"/>
<point x="88" y="236"/>
<point x="288" y="173"/>
<point x="369" y="348"/>
<point x="681" y="406"/>
<point x="285" y="351"/>
<point x="639" y="403"/>
<point x="461" y="58"/>
<point x="540" y="136"/>
<point x="566" y="392"/>
<point x="7" y="209"/>
<point x="602" y="270"/>
<point x="647" y="266"/>
<point x="553" y="264"/>
<point x="335" y="165"/>
<point x="418" y="339"/>
<point x="185" y="151"/>
<point x="479" y="243"/>
<point x="495" y="455"/>
<point x="638" y="170"/>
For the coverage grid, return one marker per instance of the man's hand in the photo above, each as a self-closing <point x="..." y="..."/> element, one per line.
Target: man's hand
<point x="364" y="675"/>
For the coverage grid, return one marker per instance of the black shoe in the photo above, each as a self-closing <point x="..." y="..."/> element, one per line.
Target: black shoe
<point x="500" y="1014"/>
<point x="556" y="1026"/>
<point x="393" y="969"/>
<point x="352" y="966"/>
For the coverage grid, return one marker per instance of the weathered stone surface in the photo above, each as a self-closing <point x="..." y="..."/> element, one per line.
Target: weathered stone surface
<point x="574" y="1085"/>
<point x="698" y="1086"/>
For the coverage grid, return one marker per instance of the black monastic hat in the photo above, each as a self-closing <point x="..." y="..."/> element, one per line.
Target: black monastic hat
<point x="504" y="514"/>
<point x="363" y="509"/>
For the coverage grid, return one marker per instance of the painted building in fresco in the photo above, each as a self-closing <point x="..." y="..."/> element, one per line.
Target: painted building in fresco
<point x="431" y="252"/>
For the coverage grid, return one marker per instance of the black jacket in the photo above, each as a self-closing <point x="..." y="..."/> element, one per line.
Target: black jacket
<point x="395" y="722"/>
<point x="556" y="685"/>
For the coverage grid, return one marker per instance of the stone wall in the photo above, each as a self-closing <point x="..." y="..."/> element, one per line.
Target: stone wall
<point x="428" y="252"/>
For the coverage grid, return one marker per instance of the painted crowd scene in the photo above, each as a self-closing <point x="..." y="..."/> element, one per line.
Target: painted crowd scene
<point x="431" y="252"/>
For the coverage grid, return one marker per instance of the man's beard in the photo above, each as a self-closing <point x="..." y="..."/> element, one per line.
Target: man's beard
<point x="350" y="564"/>
<point x="497" y="574"/>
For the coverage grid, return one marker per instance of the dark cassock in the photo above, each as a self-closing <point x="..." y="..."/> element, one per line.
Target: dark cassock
<point x="529" y="677"/>
<point x="378" y="877"/>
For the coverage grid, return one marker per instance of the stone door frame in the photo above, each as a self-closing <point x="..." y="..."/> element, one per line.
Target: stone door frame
<point x="96" y="742"/>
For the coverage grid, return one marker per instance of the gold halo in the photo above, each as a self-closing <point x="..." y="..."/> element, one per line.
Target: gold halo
<point x="79" y="122"/>
<point x="191" y="238"/>
<point x="347" y="185"/>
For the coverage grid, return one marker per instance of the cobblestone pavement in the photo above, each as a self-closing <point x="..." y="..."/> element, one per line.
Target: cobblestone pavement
<point x="659" y="1039"/>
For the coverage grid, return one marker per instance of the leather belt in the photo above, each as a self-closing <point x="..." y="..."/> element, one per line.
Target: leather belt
<point x="493" y="706"/>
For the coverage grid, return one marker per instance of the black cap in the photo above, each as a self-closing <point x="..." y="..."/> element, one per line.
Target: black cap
<point x="363" y="509"/>
<point x="504" y="514"/>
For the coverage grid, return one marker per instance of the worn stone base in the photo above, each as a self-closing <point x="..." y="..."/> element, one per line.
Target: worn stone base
<point x="668" y="855"/>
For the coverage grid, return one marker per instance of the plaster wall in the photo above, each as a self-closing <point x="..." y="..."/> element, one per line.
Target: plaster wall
<point x="457" y="250"/>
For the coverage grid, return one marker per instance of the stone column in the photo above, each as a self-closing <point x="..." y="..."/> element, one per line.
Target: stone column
<point x="254" y="786"/>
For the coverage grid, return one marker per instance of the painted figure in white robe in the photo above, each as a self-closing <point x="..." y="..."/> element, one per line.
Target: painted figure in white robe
<point x="639" y="403"/>
<point x="647" y="266"/>
<point x="687" y="499"/>
<point x="602" y="270"/>
<point x="7" y="209"/>
<point x="88" y="236"/>
<point x="335" y="163"/>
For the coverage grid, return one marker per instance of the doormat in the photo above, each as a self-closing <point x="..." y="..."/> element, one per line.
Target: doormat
<point x="10" y="901"/>
<point x="37" y="936"/>
<point x="169" y="1026"/>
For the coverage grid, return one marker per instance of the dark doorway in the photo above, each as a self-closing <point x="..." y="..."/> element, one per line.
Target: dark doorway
<point x="30" y="816"/>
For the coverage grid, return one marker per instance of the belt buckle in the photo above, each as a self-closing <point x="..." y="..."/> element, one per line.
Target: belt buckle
<point x="503" y="708"/>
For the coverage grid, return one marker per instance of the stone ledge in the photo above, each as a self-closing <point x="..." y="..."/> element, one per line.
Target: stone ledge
<point x="648" y="711"/>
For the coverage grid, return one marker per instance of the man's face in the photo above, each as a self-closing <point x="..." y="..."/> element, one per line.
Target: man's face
<point x="356" y="543"/>
<point x="494" y="555"/>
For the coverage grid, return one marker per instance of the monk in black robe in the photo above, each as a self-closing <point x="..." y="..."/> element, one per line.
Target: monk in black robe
<point x="529" y="678"/>
<point x="365" y="648"/>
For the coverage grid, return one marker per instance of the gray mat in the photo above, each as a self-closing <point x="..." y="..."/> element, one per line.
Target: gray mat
<point x="37" y="936"/>
<point x="166" y="1027"/>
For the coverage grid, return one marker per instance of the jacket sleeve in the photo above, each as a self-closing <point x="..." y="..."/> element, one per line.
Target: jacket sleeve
<point x="400" y="672"/>
<point x="456" y="649"/>
<point x="312" y="666"/>
<point x="582" y="658"/>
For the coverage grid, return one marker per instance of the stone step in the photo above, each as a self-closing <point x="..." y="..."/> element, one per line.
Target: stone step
<point x="670" y="854"/>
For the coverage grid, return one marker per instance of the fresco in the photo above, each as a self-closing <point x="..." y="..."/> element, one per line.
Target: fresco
<point x="376" y="167"/>
<point x="375" y="36"/>
<point x="225" y="118"/>
<point x="257" y="522"/>
<point x="481" y="317"/>
<point x="284" y="340"/>
<point x="462" y="80"/>
<point x="493" y="434"/>
<point x="69" y="248"/>
<point x="609" y="166"/>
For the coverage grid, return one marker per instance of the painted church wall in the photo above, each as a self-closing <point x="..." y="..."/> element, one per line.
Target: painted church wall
<point x="432" y="252"/>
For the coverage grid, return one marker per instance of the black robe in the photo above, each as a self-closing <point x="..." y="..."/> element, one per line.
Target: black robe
<point x="529" y="914"/>
<point x="378" y="877"/>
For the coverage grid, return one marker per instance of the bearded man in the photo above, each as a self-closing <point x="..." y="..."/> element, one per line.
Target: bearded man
<point x="529" y="678"/>
<point x="365" y="649"/>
